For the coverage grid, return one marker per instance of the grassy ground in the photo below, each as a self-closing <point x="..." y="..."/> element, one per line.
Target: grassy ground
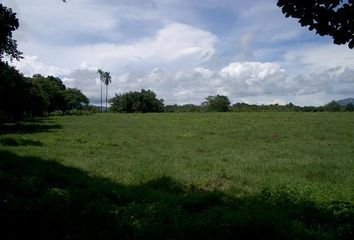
<point x="180" y="176"/>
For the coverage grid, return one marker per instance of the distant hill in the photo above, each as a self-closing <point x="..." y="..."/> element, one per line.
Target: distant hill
<point x="346" y="101"/>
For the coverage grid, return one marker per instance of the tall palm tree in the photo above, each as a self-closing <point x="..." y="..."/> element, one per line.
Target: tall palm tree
<point x="102" y="77"/>
<point x="107" y="81"/>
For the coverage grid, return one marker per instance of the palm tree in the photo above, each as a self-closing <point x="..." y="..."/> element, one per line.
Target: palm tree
<point x="102" y="77"/>
<point x="107" y="81"/>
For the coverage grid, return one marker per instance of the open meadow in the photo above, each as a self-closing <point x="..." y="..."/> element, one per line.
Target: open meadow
<point x="180" y="176"/>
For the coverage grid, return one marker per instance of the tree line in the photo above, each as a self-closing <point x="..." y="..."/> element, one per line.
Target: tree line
<point x="146" y="101"/>
<point x="26" y="97"/>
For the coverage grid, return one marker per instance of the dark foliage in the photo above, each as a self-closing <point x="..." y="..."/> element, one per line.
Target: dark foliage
<point x="349" y="107"/>
<point x="217" y="103"/>
<point x="333" y="106"/>
<point x="8" y="24"/>
<point x="143" y="101"/>
<point x="328" y="17"/>
<point x="75" y="99"/>
<point x="42" y="199"/>
<point x="54" y="92"/>
<point x="16" y="99"/>
<point x="22" y="97"/>
<point x="184" y="108"/>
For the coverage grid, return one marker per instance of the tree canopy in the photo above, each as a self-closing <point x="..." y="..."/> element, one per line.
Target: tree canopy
<point x="334" y="18"/>
<point x="105" y="78"/>
<point x="8" y="24"/>
<point x="144" y="101"/>
<point x="217" y="103"/>
<point x="75" y="99"/>
<point x="23" y="97"/>
<point x="54" y="92"/>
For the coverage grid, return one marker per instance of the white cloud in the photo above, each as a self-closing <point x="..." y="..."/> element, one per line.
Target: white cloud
<point x="183" y="50"/>
<point x="174" y="44"/>
<point x="31" y="65"/>
<point x="253" y="78"/>
<point x="192" y="86"/>
<point x="318" y="58"/>
<point x="251" y="82"/>
<point x="264" y="100"/>
<point x="337" y="80"/>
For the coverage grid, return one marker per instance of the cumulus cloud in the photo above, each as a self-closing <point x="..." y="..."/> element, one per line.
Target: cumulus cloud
<point x="183" y="50"/>
<point x="175" y="45"/>
<point x="31" y="65"/>
<point x="236" y="80"/>
<point x="254" y="78"/>
<point x="251" y="82"/>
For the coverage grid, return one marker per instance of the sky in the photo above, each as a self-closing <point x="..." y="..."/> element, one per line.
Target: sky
<point x="183" y="50"/>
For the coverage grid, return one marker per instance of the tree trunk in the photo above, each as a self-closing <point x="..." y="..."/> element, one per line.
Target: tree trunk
<point x="101" y="96"/>
<point x="106" y="95"/>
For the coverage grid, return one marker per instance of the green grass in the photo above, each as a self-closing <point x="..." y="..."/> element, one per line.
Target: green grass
<point x="182" y="176"/>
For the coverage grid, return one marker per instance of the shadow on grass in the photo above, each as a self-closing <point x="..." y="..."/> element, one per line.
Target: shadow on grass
<point x="42" y="199"/>
<point x="27" y="127"/>
<point x="19" y="142"/>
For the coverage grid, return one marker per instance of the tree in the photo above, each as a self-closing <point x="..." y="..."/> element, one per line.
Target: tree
<point x="333" y="106"/>
<point x="349" y="107"/>
<point x="105" y="78"/>
<point x="328" y="17"/>
<point x="8" y="24"/>
<point x="75" y="99"/>
<point x="107" y="81"/>
<point x="144" y="101"/>
<point x="20" y="97"/>
<point x="13" y="95"/>
<point x="217" y="103"/>
<point x="38" y="101"/>
<point x="54" y="91"/>
<point x="101" y="73"/>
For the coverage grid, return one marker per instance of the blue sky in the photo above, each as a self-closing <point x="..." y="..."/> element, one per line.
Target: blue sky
<point x="184" y="50"/>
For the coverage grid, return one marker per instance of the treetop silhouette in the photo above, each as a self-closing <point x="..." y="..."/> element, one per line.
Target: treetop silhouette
<point x="334" y="18"/>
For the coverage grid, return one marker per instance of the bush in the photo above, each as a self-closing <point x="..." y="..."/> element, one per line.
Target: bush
<point x="144" y="101"/>
<point x="217" y="103"/>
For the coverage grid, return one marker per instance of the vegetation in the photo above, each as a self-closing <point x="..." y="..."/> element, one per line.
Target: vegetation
<point x="217" y="103"/>
<point x="105" y="78"/>
<point x="328" y="17"/>
<point x="333" y="106"/>
<point x="143" y="101"/>
<point x="75" y="99"/>
<point x="349" y="107"/>
<point x="174" y="176"/>
<point x="9" y="23"/>
<point x="168" y="176"/>
<point x="22" y="97"/>
<point x="183" y="108"/>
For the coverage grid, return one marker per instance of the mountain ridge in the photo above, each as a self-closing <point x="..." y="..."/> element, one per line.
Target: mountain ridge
<point x="346" y="101"/>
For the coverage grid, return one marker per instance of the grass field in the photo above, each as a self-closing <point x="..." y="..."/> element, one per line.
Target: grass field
<point x="180" y="176"/>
